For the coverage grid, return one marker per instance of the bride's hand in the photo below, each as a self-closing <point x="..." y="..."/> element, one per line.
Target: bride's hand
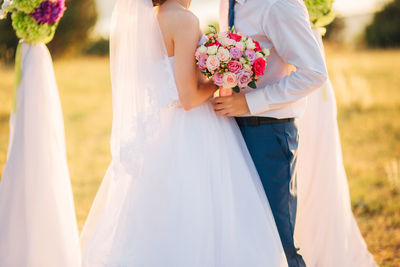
<point x="231" y="106"/>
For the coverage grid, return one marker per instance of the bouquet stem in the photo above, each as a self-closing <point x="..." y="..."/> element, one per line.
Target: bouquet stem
<point x="225" y="91"/>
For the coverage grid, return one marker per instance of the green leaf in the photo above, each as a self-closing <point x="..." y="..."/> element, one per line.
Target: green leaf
<point x="253" y="85"/>
<point x="236" y="89"/>
<point x="325" y="20"/>
<point x="212" y="28"/>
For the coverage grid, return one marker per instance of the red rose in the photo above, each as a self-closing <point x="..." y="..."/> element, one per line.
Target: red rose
<point x="235" y="37"/>
<point x="213" y="43"/>
<point x="258" y="47"/>
<point x="259" y="66"/>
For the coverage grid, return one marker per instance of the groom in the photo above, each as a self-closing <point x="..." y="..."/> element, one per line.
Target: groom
<point x="266" y="116"/>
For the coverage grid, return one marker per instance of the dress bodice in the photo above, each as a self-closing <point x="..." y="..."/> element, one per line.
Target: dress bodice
<point x="174" y="93"/>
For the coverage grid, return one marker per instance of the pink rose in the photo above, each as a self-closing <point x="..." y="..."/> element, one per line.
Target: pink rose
<point x="241" y="46"/>
<point x="235" y="66"/>
<point x="235" y="53"/>
<point x="251" y="55"/>
<point x="218" y="79"/>
<point x="202" y="61"/>
<point x="212" y="63"/>
<point x="230" y="80"/>
<point x="244" y="78"/>
<point x="202" y="57"/>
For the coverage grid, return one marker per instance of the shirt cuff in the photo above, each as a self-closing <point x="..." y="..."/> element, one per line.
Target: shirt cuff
<point x="257" y="102"/>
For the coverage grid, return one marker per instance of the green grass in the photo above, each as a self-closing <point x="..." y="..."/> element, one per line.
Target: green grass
<point x="367" y="85"/>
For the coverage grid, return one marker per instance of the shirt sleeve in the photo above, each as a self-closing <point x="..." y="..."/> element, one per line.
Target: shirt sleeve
<point x="286" y="24"/>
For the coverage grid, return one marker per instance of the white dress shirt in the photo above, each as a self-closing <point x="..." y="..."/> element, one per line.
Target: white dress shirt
<point x="295" y="67"/>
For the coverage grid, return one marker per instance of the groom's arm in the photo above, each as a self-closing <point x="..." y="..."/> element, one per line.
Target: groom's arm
<point x="286" y="24"/>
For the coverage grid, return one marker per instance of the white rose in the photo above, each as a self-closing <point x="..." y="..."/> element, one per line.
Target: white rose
<point x="266" y="51"/>
<point x="212" y="50"/>
<point x="258" y="54"/>
<point x="243" y="60"/>
<point x="250" y="44"/>
<point x="202" y="49"/>
<point x="212" y="63"/>
<point x="241" y="46"/>
<point x="223" y="54"/>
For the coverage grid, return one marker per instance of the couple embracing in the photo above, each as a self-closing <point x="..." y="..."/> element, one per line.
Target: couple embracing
<point x="197" y="181"/>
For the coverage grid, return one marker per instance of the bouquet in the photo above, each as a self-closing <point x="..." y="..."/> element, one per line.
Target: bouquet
<point x="34" y="21"/>
<point x="232" y="60"/>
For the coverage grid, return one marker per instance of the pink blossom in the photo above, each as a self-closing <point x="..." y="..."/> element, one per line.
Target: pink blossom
<point x="244" y="78"/>
<point x="235" y="53"/>
<point x="235" y="66"/>
<point x="202" y="58"/>
<point x="223" y="54"/>
<point x="230" y="80"/>
<point x="212" y="63"/>
<point x="218" y="79"/>
<point x="251" y="55"/>
<point x="241" y="46"/>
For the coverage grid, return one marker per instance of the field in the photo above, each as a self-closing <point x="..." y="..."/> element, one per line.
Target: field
<point x="367" y="85"/>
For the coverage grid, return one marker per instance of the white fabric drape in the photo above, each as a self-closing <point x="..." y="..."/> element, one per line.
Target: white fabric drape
<point x="326" y="231"/>
<point x="37" y="217"/>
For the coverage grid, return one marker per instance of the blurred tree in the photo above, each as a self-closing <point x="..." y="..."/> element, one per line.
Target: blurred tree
<point x="8" y="41"/>
<point x="334" y="30"/>
<point x="75" y="27"/>
<point x="385" y="28"/>
<point x="72" y="33"/>
<point x="99" y="47"/>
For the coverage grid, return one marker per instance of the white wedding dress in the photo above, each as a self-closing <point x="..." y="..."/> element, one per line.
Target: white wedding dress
<point x="182" y="193"/>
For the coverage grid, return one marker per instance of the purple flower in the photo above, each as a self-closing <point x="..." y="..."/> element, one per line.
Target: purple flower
<point x="235" y="66"/>
<point x="235" y="53"/>
<point x="244" y="78"/>
<point x="218" y="79"/>
<point x="251" y="55"/>
<point x="49" y="11"/>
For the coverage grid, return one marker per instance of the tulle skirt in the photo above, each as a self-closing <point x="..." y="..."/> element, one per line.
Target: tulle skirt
<point x="195" y="200"/>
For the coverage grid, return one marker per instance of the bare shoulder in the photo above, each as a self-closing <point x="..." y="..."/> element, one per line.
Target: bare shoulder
<point x="176" y="20"/>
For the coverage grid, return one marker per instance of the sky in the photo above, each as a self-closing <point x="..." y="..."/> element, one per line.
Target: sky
<point x="207" y="10"/>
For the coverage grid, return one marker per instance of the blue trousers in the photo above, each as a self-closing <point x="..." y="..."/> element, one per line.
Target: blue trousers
<point x="273" y="148"/>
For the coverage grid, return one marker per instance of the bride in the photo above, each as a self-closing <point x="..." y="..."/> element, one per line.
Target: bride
<point x="181" y="189"/>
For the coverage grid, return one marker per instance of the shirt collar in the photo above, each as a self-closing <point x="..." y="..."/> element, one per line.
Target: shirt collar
<point x="241" y="1"/>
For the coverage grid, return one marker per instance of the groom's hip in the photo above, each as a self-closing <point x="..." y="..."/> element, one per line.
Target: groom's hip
<point x="273" y="145"/>
<point x="270" y="141"/>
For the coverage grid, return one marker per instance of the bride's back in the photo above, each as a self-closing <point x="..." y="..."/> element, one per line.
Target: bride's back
<point x="173" y="18"/>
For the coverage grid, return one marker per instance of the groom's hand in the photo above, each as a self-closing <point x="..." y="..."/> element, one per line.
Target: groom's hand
<point x="231" y="106"/>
